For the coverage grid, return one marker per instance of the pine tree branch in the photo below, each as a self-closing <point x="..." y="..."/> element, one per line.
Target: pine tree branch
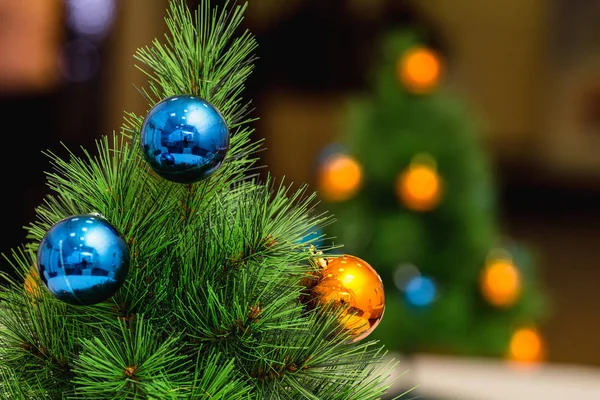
<point x="131" y="364"/>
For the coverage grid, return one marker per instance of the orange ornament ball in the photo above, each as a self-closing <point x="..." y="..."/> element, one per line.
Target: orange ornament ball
<point x="501" y="283"/>
<point x="419" y="187"/>
<point x="420" y="69"/>
<point x="339" y="178"/>
<point x="352" y="283"/>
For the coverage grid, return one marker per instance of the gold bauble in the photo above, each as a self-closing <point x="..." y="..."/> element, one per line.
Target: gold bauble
<point x="352" y="283"/>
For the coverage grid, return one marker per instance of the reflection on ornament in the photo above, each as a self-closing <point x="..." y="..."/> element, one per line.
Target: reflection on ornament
<point x="352" y="283"/>
<point x="526" y="346"/>
<point x="184" y="139"/>
<point x="339" y="178"/>
<point x="501" y="282"/>
<point x="420" y="291"/>
<point x="355" y="324"/>
<point x="83" y="260"/>
<point x="419" y="70"/>
<point x="419" y="186"/>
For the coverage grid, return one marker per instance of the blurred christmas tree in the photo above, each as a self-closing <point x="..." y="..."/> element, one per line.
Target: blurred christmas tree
<point x="412" y="188"/>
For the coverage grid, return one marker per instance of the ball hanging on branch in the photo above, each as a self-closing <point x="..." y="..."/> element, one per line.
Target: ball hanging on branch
<point x="83" y="260"/>
<point x="500" y="280"/>
<point x="419" y="187"/>
<point x="339" y="177"/>
<point x="352" y="283"/>
<point x="419" y="70"/>
<point x="184" y="139"/>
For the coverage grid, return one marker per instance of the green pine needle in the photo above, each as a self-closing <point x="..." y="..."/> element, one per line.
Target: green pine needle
<point x="130" y="362"/>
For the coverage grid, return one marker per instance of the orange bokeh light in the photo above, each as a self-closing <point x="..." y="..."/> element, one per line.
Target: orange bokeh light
<point x="526" y="346"/>
<point x="340" y="178"/>
<point x="420" y="69"/>
<point x="419" y="188"/>
<point x="31" y="286"/>
<point x="501" y="283"/>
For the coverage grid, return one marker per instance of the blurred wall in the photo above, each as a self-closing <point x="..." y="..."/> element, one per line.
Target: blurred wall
<point x="497" y="53"/>
<point x="30" y="40"/>
<point x="138" y="23"/>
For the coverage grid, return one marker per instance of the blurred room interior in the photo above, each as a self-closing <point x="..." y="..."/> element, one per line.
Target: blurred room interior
<point x="530" y="70"/>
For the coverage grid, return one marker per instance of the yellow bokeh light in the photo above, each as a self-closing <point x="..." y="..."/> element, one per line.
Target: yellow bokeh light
<point x="419" y="187"/>
<point x="526" y="346"/>
<point x="420" y="69"/>
<point x="501" y="283"/>
<point x="340" y="178"/>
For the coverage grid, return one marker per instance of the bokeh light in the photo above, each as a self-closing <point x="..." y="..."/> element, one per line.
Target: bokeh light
<point x="526" y="346"/>
<point x="419" y="70"/>
<point x="403" y="274"/>
<point x="339" y="178"/>
<point x="80" y="61"/>
<point x="420" y="291"/>
<point x="501" y="282"/>
<point x="314" y="236"/>
<point x="31" y="286"/>
<point x="419" y="187"/>
<point x="330" y="150"/>
<point x="91" y="18"/>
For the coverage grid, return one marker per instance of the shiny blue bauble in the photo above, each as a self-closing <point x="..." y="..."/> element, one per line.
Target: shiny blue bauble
<point x="83" y="260"/>
<point x="184" y="139"/>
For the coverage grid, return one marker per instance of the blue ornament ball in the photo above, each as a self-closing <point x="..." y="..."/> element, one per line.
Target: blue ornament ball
<point x="83" y="260"/>
<point x="184" y="139"/>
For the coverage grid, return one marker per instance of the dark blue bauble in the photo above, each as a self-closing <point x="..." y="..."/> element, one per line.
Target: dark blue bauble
<point x="184" y="139"/>
<point x="83" y="260"/>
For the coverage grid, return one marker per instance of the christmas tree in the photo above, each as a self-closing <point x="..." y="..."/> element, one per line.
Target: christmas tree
<point x="160" y="267"/>
<point x="412" y="187"/>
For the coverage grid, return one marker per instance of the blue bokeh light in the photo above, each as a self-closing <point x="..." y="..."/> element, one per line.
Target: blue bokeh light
<point x="91" y="18"/>
<point x="420" y="291"/>
<point x="330" y="151"/>
<point x="313" y="236"/>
